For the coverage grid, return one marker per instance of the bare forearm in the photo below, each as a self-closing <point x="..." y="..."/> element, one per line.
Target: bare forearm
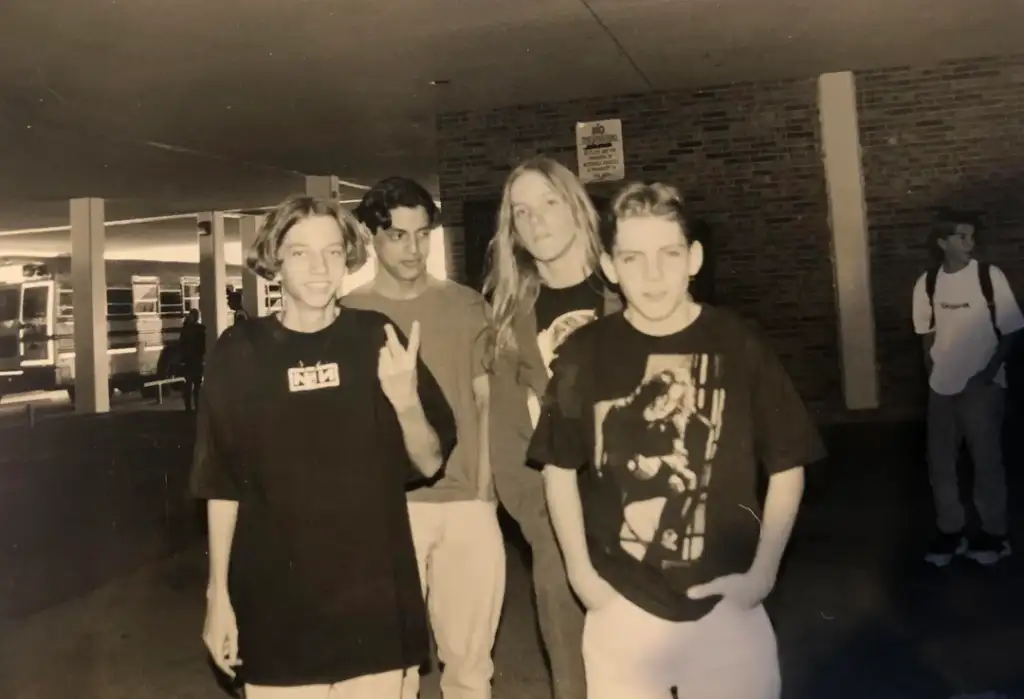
<point x="420" y="440"/>
<point x="785" y="491"/>
<point x="563" y="496"/>
<point x="222" y="516"/>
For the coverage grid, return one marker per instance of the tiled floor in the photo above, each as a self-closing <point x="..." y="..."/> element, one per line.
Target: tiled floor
<point x="102" y="499"/>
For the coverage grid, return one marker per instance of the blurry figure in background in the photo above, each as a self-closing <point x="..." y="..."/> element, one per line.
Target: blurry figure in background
<point x="969" y="321"/>
<point x="235" y="304"/>
<point x="192" y="345"/>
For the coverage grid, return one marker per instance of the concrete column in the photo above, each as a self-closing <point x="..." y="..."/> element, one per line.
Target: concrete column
<point x="89" y="291"/>
<point x="254" y="287"/>
<point x="213" y="281"/>
<point x="851" y="251"/>
<point x="323" y="186"/>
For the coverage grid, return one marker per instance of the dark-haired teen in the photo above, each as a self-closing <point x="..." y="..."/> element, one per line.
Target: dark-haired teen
<point x="311" y="424"/>
<point x="459" y="545"/>
<point x="670" y="409"/>
<point x="969" y="321"/>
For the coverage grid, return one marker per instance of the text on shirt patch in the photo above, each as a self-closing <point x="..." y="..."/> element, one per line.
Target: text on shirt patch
<point x="313" y="378"/>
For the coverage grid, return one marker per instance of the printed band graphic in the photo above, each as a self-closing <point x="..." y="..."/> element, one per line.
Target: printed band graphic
<point x="313" y="378"/>
<point x="550" y="339"/>
<point x="659" y="444"/>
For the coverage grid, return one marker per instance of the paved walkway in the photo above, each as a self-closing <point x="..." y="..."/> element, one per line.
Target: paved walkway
<point x="856" y="616"/>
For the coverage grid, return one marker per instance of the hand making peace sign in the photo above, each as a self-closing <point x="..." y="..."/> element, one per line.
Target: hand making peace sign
<point x="397" y="367"/>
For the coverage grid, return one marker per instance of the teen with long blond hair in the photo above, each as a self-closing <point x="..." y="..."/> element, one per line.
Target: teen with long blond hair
<point x="544" y="282"/>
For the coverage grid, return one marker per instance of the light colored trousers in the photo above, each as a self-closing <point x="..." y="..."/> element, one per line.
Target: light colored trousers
<point x="976" y="414"/>
<point x="729" y="654"/>
<point x="461" y="555"/>
<point x="385" y="685"/>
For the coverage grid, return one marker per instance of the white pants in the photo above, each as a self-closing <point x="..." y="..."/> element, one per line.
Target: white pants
<point x="386" y="685"/>
<point x="461" y="556"/>
<point x="729" y="654"/>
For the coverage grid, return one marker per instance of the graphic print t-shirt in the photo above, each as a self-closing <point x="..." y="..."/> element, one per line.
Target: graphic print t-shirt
<point x="296" y="428"/>
<point x="672" y="432"/>
<point x="964" y="338"/>
<point x="560" y="312"/>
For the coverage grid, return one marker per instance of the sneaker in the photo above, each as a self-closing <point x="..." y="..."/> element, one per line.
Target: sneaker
<point x="944" y="547"/>
<point x="988" y="549"/>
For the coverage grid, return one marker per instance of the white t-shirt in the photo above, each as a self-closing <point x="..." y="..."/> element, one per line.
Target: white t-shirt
<point x="964" y="338"/>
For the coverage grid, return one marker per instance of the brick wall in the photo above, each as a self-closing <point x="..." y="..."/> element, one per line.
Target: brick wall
<point x="746" y="157"/>
<point x="949" y="134"/>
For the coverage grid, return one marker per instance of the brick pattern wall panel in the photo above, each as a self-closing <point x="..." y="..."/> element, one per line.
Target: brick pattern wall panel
<point x="745" y="156"/>
<point x="950" y="134"/>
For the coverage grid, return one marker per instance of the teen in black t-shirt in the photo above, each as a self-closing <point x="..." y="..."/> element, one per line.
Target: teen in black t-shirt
<point x="670" y="409"/>
<point x="311" y="425"/>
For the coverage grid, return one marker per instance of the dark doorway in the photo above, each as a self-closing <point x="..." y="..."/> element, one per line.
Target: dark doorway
<point x="702" y="287"/>
<point x="479" y="221"/>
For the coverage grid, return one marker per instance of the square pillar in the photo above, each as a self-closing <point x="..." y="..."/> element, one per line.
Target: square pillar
<point x="213" y="281"/>
<point x="254" y="287"/>
<point x="89" y="291"/>
<point x="851" y="249"/>
<point x="323" y="187"/>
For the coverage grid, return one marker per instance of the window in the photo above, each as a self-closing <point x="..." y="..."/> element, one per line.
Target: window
<point x="145" y="295"/>
<point x="272" y="300"/>
<point x="189" y="293"/>
<point x="65" y="304"/>
<point x="171" y="302"/>
<point x="119" y="302"/>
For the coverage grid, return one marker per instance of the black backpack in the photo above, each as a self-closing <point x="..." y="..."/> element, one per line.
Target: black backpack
<point x="984" y="278"/>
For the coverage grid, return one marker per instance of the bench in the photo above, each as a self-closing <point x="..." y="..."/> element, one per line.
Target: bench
<point x="160" y="383"/>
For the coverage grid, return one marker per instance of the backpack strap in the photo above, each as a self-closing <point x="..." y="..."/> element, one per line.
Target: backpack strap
<point x="985" y="279"/>
<point x="930" y="278"/>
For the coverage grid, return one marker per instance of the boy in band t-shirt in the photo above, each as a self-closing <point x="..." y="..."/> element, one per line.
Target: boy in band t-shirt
<point x="669" y="409"/>
<point x="311" y="425"/>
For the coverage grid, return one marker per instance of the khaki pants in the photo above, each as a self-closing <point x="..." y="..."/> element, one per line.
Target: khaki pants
<point x="386" y="685"/>
<point x="729" y="654"/>
<point x="461" y="556"/>
<point x="975" y="415"/>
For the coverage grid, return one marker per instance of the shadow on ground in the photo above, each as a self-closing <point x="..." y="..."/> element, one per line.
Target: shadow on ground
<point x="84" y="502"/>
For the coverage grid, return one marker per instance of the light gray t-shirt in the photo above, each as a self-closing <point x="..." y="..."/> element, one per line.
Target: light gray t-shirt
<point x="453" y="326"/>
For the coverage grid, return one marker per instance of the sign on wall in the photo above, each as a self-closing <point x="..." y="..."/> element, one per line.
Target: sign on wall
<point x="599" y="151"/>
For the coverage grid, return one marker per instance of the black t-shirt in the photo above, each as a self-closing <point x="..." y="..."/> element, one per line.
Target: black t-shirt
<point x="670" y="431"/>
<point x="560" y="312"/>
<point x="296" y="428"/>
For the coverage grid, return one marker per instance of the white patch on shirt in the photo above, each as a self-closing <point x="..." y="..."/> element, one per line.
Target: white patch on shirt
<point x="313" y="378"/>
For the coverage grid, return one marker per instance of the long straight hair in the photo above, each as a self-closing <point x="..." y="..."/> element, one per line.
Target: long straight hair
<point x="512" y="279"/>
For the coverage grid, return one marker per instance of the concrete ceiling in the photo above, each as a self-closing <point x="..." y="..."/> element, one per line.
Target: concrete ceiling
<point x="166" y="107"/>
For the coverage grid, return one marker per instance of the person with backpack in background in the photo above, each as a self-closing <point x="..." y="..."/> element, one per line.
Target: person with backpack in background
<point x="969" y="320"/>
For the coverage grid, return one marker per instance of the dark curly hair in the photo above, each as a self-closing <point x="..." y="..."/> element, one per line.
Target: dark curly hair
<point x="374" y="211"/>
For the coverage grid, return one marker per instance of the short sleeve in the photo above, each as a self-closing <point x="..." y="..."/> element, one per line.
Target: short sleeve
<point x="1008" y="315"/>
<point x="213" y="475"/>
<point x="785" y="435"/>
<point x="560" y="437"/>
<point x="922" y="308"/>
